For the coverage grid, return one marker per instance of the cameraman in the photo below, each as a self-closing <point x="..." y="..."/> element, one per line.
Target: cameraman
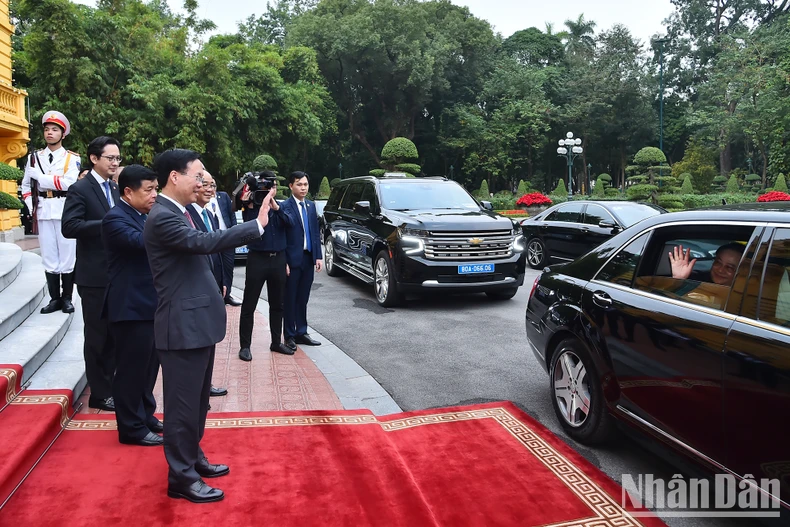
<point x="265" y="263"/>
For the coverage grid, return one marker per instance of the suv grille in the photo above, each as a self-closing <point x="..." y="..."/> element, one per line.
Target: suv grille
<point x="460" y="246"/>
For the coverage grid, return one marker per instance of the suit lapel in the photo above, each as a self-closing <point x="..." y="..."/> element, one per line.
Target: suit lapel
<point x="169" y="205"/>
<point x="99" y="191"/>
<point x="129" y="210"/>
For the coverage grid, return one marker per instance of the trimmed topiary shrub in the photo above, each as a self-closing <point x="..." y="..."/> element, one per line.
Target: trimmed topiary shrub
<point x="324" y="189"/>
<point x="399" y="150"/>
<point x="522" y="188"/>
<point x="599" y="190"/>
<point x="9" y="173"/>
<point x="641" y="192"/>
<point x="649" y="156"/>
<point x="409" y="168"/>
<point x="732" y="184"/>
<point x="719" y="182"/>
<point x="377" y="172"/>
<point x="483" y="192"/>
<point x="671" y="201"/>
<point x="264" y="162"/>
<point x="604" y="178"/>
<point x="753" y="182"/>
<point x="780" y="184"/>
<point x="612" y="192"/>
<point x="560" y="189"/>
<point x="687" y="187"/>
<point x="7" y="201"/>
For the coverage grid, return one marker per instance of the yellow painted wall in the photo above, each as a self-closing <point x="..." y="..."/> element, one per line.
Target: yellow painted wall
<point x="14" y="132"/>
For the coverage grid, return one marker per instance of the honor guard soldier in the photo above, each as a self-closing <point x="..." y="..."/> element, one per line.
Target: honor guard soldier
<point x="48" y="175"/>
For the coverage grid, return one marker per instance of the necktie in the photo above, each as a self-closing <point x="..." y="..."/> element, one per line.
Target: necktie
<point x="306" y="226"/>
<point x="51" y="157"/>
<point x="206" y="220"/>
<point x="107" y="192"/>
<point x="189" y="219"/>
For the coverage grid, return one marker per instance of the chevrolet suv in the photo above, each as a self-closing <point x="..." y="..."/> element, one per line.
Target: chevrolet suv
<point x="405" y="234"/>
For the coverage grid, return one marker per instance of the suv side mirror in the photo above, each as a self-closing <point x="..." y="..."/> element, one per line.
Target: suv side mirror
<point x="363" y="207"/>
<point x="607" y="224"/>
<point x="487" y="205"/>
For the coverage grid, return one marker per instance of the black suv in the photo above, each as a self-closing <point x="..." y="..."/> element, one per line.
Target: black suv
<point x="415" y="234"/>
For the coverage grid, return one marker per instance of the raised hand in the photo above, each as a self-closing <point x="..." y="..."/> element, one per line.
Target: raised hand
<point x="679" y="260"/>
<point x="263" y="213"/>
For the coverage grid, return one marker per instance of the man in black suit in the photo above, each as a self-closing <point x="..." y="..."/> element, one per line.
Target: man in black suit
<point x="303" y="254"/>
<point x="190" y="316"/>
<point x="222" y="207"/>
<point x="129" y="305"/>
<point x="88" y="200"/>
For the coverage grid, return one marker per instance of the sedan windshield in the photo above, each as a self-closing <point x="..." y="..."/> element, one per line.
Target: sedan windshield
<point x="410" y="195"/>
<point x="630" y="214"/>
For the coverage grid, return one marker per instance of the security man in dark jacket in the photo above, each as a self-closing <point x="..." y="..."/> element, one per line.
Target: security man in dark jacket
<point x="265" y="263"/>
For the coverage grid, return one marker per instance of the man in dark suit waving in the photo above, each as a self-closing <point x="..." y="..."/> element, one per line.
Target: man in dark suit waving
<point x="190" y="316"/>
<point x="129" y="305"/>
<point x="302" y="254"/>
<point x="88" y="200"/>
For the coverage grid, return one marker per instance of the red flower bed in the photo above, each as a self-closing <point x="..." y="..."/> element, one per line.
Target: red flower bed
<point x="514" y="212"/>
<point x="774" y="195"/>
<point x="536" y="198"/>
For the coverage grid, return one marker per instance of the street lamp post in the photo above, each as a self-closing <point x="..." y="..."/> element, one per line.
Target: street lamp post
<point x="452" y="172"/>
<point x="340" y="170"/>
<point x="569" y="149"/>
<point x="661" y="43"/>
<point x="589" y="189"/>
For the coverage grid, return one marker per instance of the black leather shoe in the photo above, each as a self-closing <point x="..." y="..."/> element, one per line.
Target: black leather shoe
<point x="54" y="305"/>
<point x="67" y="306"/>
<point x="244" y="354"/>
<point x="282" y="348"/>
<point x="198" y="492"/>
<point x="306" y="340"/>
<point x="150" y="439"/>
<point x="218" y="392"/>
<point x="102" y="404"/>
<point x="232" y="301"/>
<point x="290" y="343"/>
<point x="207" y="470"/>
<point x="156" y="426"/>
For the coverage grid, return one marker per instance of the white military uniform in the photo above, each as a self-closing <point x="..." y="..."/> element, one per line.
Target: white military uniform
<point x="55" y="171"/>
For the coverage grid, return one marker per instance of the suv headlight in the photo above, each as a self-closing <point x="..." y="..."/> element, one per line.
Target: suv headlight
<point x="412" y="240"/>
<point x="518" y="244"/>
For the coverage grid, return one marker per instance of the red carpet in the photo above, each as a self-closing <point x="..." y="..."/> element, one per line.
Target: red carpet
<point x="483" y="465"/>
<point x="10" y="378"/>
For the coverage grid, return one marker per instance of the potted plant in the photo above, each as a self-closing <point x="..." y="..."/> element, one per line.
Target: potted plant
<point x="9" y="211"/>
<point x="534" y="202"/>
<point x="9" y="178"/>
<point x="774" y="195"/>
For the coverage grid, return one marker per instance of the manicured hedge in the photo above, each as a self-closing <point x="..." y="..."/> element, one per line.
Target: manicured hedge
<point x="10" y="173"/>
<point x="7" y="201"/>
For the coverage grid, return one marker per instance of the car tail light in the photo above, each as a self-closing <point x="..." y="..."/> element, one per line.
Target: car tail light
<point x="534" y="286"/>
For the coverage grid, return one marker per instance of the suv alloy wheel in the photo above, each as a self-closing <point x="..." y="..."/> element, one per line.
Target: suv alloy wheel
<point x="384" y="284"/>
<point x="536" y="254"/>
<point x="329" y="258"/>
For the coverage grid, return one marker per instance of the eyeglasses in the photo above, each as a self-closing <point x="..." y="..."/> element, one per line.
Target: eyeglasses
<point x="212" y="185"/>
<point x="113" y="158"/>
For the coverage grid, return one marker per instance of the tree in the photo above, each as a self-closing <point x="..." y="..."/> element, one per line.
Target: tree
<point x="780" y="184"/>
<point x="733" y="185"/>
<point x="686" y="187"/>
<point x="561" y="189"/>
<point x="324" y="190"/>
<point x="483" y="192"/>
<point x="522" y="188"/>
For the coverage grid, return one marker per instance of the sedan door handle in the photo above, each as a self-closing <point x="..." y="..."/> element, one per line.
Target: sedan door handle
<point x="601" y="299"/>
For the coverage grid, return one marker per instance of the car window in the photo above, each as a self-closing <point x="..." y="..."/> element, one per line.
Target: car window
<point x="621" y="269"/>
<point x="633" y="213"/>
<point x="775" y="292"/>
<point x="595" y="214"/>
<point x="352" y="196"/>
<point x="334" y="197"/>
<point x="707" y="275"/>
<point x="572" y="213"/>
<point x="369" y="194"/>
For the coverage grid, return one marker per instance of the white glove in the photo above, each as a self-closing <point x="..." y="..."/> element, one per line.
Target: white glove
<point x="29" y="203"/>
<point x="34" y="175"/>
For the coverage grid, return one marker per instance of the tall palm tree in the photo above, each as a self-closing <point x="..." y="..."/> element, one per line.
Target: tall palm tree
<point x="580" y="35"/>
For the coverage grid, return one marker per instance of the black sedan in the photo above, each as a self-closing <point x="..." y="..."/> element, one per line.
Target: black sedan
<point x="692" y="349"/>
<point x="566" y="231"/>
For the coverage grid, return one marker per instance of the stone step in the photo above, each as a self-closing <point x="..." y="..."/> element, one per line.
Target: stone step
<point x="22" y="296"/>
<point x="10" y="263"/>
<point x="64" y="368"/>
<point x="31" y="344"/>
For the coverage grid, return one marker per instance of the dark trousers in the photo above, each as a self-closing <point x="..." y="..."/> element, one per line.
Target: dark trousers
<point x="261" y="267"/>
<point x="99" y="349"/>
<point x="297" y="294"/>
<point x="137" y="366"/>
<point x="186" y="379"/>
<point x="228" y="259"/>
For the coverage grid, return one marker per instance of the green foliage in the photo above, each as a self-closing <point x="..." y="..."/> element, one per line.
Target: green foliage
<point x="599" y="190"/>
<point x="324" y="189"/>
<point x="559" y="190"/>
<point x="752" y="178"/>
<point x="696" y="201"/>
<point x="641" y="192"/>
<point x="719" y="182"/>
<point x="7" y="201"/>
<point x="780" y="184"/>
<point x="732" y="184"/>
<point x="9" y="173"/>
<point x="264" y="162"/>
<point x="377" y="172"/>
<point x="649" y="156"/>
<point x="522" y="188"/>
<point x="334" y="182"/>
<point x="606" y="179"/>
<point x="613" y="193"/>
<point x="483" y="192"/>
<point x="399" y="150"/>
<point x="409" y="168"/>
<point x="503" y="202"/>
<point x="699" y="162"/>
<point x="687" y="187"/>
<point x="671" y="201"/>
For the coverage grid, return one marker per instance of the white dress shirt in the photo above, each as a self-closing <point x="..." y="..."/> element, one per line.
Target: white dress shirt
<point x="100" y="180"/>
<point x="213" y="207"/>
<point x="301" y="218"/>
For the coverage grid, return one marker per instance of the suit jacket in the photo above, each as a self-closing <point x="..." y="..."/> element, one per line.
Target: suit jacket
<point x="130" y="293"/>
<point x="294" y="234"/>
<point x="226" y="209"/>
<point x="190" y="312"/>
<point x="217" y="263"/>
<point x="83" y="212"/>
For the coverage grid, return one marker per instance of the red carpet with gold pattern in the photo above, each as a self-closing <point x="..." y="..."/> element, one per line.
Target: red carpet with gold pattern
<point x="487" y="464"/>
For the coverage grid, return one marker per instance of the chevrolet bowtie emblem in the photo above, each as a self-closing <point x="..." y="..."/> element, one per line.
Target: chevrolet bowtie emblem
<point x="476" y="241"/>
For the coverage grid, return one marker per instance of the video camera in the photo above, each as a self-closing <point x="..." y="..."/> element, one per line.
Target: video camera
<point x="259" y="183"/>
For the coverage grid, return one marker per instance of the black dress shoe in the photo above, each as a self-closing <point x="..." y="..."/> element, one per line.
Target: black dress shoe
<point x="54" y="305"/>
<point x="197" y="492"/>
<point x="207" y="470"/>
<point x="282" y="348"/>
<point x="67" y="307"/>
<point x="218" y="392"/>
<point x="244" y="354"/>
<point x="156" y="426"/>
<point x="290" y="343"/>
<point x="306" y="340"/>
<point x="232" y="301"/>
<point x="150" y="439"/>
<point x="102" y="404"/>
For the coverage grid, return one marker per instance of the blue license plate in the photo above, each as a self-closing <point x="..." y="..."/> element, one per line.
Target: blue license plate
<point x="242" y="250"/>
<point x="475" y="268"/>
